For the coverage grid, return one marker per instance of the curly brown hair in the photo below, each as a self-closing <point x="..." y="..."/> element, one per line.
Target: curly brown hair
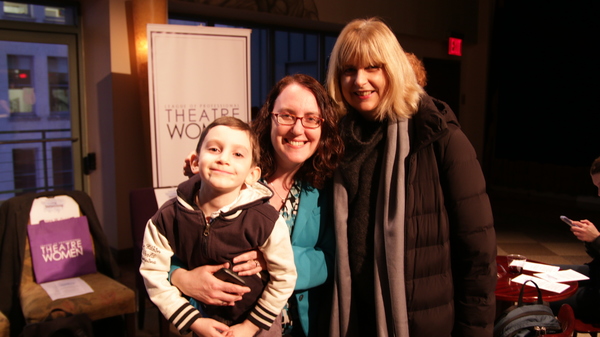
<point x="419" y="69"/>
<point x="595" y="169"/>
<point x="320" y="166"/>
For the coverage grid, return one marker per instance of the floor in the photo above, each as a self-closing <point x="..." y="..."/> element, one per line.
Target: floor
<point x="526" y="224"/>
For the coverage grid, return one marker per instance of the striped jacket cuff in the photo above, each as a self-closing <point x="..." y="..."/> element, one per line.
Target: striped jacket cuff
<point x="183" y="318"/>
<point x="261" y="317"/>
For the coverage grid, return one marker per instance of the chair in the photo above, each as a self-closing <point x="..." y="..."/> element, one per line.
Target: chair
<point x="143" y="204"/>
<point x="4" y="326"/>
<point x="581" y="327"/>
<point x="109" y="298"/>
<point x="566" y="317"/>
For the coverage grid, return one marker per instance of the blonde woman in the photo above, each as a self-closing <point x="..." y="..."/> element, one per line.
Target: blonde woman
<point x="416" y="245"/>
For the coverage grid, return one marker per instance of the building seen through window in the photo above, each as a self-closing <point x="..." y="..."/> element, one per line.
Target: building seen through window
<point x="36" y="136"/>
<point x="16" y="11"/>
<point x="20" y="90"/>
<point x="58" y="84"/>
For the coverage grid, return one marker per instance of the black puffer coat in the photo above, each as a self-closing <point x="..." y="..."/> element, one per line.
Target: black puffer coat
<point x="450" y="238"/>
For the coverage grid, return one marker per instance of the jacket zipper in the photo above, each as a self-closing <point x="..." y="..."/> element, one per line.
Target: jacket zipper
<point x="205" y="236"/>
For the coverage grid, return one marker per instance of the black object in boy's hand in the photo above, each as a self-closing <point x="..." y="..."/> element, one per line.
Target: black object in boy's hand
<point x="227" y="275"/>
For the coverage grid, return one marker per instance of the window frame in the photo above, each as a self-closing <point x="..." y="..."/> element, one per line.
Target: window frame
<point x="70" y="36"/>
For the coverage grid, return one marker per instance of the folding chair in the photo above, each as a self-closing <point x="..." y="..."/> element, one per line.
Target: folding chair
<point x="29" y="302"/>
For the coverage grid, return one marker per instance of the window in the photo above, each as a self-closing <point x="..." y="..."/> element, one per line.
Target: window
<point x="20" y="91"/>
<point x="36" y="13"/>
<point x="276" y="53"/>
<point x="54" y="15"/>
<point x="58" y="85"/>
<point x="17" y="10"/>
<point x="40" y="113"/>
<point x="296" y="53"/>
<point x="62" y="167"/>
<point x="24" y="170"/>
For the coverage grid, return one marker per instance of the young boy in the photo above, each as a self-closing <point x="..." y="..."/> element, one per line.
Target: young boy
<point x="218" y="214"/>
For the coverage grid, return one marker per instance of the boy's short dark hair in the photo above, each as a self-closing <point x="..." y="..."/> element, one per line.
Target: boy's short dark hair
<point x="238" y="124"/>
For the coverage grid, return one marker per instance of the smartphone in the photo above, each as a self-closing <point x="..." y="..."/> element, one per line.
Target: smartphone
<point x="227" y="275"/>
<point x="566" y="220"/>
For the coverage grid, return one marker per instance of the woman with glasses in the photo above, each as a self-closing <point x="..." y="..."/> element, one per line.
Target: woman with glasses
<point x="300" y="149"/>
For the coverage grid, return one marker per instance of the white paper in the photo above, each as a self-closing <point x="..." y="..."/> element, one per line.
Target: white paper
<point x="568" y="275"/>
<point x="68" y="287"/>
<point x="542" y="284"/>
<point x="55" y="208"/>
<point x="164" y="194"/>
<point x="540" y="267"/>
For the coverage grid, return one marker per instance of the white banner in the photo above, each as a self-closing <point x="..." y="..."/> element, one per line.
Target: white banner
<point x="195" y="74"/>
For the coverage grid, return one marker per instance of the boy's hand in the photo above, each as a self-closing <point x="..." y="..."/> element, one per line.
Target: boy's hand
<point x="202" y="285"/>
<point x="244" y="329"/>
<point x="208" y="327"/>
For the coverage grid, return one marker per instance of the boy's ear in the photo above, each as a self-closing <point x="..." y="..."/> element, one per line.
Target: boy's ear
<point x="253" y="175"/>
<point x="193" y="157"/>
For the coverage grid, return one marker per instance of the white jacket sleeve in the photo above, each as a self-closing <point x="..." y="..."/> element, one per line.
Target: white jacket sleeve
<point x="279" y="256"/>
<point x="156" y="262"/>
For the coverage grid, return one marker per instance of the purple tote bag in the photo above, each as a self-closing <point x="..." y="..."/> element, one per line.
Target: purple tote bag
<point x="61" y="249"/>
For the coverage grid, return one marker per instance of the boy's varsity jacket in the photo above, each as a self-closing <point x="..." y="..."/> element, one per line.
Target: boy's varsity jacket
<point x="180" y="228"/>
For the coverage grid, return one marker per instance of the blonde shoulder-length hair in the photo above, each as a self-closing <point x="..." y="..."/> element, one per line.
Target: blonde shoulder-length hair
<point x="365" y="42"/>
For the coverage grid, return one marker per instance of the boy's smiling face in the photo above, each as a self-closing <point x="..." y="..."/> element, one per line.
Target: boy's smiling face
<point x="225" y="160"/>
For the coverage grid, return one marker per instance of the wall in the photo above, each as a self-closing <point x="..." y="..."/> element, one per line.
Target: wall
<point x="426" y="19"/>
<point x="98" y="112"/>
<point x="113" y="116"/>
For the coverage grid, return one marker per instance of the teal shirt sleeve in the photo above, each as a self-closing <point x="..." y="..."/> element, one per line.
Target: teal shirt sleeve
<point x="176" y="263"/>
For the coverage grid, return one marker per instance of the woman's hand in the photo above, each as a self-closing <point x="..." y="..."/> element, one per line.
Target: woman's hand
<point x="254" y="262"/>
<point x="202" y="285"/>
<point x="585" y="230"/>
<point x="190" y="170"/>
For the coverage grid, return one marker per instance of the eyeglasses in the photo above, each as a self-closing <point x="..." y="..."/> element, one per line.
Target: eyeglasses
<point x="308" y="121"/>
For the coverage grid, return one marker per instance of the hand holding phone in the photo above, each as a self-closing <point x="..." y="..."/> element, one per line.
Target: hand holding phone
<point x="566" y="220"/>
<point x="227" y="275"/>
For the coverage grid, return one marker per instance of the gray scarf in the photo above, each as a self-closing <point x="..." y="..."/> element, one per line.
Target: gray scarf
<point x="389" y="290"/>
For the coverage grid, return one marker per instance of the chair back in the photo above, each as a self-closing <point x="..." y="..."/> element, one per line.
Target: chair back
<point x="4" y="326"/>
<point x="590" y="328"/>
<point x="142" y="206"/>
<point x="566" y="317"/>
<point x="29" y="302"/>
<point x="143" y="203"/>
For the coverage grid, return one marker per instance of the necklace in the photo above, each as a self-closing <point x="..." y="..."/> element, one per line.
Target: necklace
<point x="280" y="197"/>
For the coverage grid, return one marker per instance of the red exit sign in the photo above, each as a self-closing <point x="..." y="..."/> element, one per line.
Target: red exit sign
<point x="454" y="46"/>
